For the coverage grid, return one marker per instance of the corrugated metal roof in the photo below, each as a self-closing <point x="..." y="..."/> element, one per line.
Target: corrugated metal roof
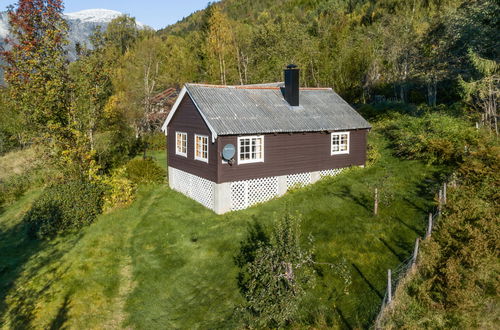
<point x="256" y="109"/>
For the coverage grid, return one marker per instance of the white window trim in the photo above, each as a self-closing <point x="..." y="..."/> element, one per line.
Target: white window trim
<point x="196" y="145"/>
<point x="339" y="134"/>
<point x="177" y="152"/>
<point x="251" y="160"/>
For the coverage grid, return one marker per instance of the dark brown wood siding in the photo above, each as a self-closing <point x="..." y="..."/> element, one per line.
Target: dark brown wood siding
<point x="188" y="120"/>
<point x="293" y="153"/>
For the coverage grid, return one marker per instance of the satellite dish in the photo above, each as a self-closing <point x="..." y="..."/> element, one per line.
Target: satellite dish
<point x="228" y="152"/>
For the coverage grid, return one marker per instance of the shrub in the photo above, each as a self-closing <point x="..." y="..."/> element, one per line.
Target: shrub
<point x="380" y="110"/>
<point x="114" y="148"/>
<point x="144" y="171"/>
<point x="119" y="190"/>
<point x="13" y="188"/>
<point x="65" y="206"/>
<point x="435" y="137"/>
<point x="373" y="154"/>
<point x="155" y="141"/>
<point x="456" y="280"/>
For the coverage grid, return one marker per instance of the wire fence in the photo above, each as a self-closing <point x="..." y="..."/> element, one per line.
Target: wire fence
<point x="396" y="275"/>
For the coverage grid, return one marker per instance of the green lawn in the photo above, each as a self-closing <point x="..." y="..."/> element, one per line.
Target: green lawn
<point x="167" y="262"/>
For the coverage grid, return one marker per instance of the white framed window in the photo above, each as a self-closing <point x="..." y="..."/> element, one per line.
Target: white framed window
<point x="201" y="148"/>
<point x="181" y="144"/>
<point x="250" y="149"/>
<point x="340" y="143"/>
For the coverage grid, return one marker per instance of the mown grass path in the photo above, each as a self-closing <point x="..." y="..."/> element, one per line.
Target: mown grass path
<point x="167" y="262"/>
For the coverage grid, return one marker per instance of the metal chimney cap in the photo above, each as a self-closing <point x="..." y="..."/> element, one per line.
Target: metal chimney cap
<point x="291" y="66"/>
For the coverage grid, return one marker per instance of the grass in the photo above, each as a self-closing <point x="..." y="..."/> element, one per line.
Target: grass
<point x="167" y="262"/>
<point x="16" y="163"/>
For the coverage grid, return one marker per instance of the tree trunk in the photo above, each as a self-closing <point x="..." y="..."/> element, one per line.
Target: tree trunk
<point x="432" y="91"/>
<point x="238" y="60"/>
<point x="220" y="69"/>
<point x="224" y="70"/>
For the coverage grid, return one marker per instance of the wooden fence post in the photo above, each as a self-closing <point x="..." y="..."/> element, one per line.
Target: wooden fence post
<point x="429" y="226"/>
<point x="375" y="206"/>
<point x="415" y="252"/>
<point x="389" y="286"/>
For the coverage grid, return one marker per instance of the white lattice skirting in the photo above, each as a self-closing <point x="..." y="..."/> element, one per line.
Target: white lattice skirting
<point x="199" y="189"/>
<point x="298" y="180"/>
<point x="250" y="192"/>
<point x="239" y="195"/>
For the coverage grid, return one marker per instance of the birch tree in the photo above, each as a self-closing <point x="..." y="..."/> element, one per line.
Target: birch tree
<point x="220" y="47"/>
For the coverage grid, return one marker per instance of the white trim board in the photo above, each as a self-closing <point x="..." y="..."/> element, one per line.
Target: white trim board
<point x="183" y="92"/>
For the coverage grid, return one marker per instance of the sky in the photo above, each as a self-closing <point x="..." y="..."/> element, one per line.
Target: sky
<point x="155" y="13"/>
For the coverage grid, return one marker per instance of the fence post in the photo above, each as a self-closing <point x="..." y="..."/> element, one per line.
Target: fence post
<point x="389" y="286"/>
<point x="375" y="206"/>
<point x="415" y="252"/>
<point x="429" y="226"/>
<point x="444" y="193"/>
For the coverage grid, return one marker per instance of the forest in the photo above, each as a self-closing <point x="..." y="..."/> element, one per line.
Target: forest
<point x="76" y="138"/>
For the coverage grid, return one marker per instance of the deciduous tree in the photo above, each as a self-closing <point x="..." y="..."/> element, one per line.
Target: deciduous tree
<point x="36" y="66"/>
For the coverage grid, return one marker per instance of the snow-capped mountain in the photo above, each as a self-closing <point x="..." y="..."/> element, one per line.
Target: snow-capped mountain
<point x="99" y="16"/>
<point x="83" y="23"/>
<point x="81" y="26"/>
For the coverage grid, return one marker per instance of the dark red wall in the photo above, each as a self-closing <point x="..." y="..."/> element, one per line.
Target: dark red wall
<point x="292" y="154"/>
<point x="187" y="119"/>
<point x="283" y="153"/>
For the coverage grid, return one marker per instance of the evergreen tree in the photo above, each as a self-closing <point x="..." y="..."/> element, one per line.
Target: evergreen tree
<point x="482" y="94"/>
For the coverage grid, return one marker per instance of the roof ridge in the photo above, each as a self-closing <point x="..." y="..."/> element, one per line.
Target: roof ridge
<point x="254" y="87"/>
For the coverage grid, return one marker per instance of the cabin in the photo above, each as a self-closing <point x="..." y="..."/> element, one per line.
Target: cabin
<point x="230" y="147"/>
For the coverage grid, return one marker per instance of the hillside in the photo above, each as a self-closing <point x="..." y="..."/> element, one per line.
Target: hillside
<point x="171" y="265"/>
<point x="91" y="236"/>
<point x="366" y="50"/>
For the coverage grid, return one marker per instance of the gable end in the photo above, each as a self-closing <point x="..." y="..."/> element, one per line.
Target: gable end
<point x="177" y="103"/>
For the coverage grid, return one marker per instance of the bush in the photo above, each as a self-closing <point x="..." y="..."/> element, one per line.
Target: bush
<point x="144" y="171"/>
<point x="383" y="109"/>
<point x="66" y="206"/>
<point x="119" y="190"/>
<point x="155" y="141"/>
<point x="13" y="188"/>
<point x="114" y="148"/>
<point x="455" y="284"/>
<point x="435" y="137"/>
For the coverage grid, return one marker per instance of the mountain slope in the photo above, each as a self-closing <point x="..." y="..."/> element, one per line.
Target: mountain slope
<point x="81" y="26"/>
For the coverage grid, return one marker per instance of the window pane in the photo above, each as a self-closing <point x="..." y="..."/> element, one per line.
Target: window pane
<point x="340" y="142"/>
<point x="251" y="149"/>
<point x="201" y="150"/>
